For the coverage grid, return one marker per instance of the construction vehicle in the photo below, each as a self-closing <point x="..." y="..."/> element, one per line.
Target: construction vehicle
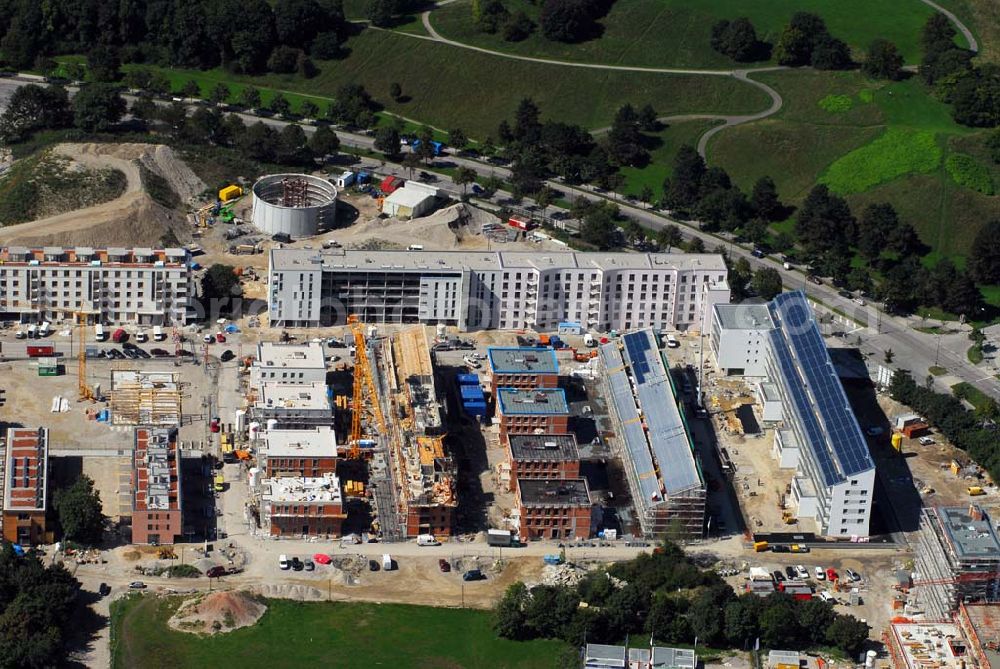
<point x="84" y="390"/>
<point x="760" y="546"/>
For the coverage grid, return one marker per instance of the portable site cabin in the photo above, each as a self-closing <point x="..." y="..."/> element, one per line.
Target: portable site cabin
<point x="230" y="193"/>
<point x="411" y="201"/>
<point x="345" y="180"/>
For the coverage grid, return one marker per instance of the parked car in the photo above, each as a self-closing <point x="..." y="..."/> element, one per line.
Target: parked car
<point x="104" y="590"/>
<point x="819" y="573"/>
<point x="853" y="575"/>
<point x="208" y="339"/>
<point x="801" y="572"/>
<point x="219" y="337"/>
<point x="815" y="279"/>
<point x="160" y="353"/>
<point x="227" y="355"/>
<point x="297" y="564"/>
<point x="444" y="565"/>
<point x="373" y="565"/>
<point x="831" y="574"/>
<point x="283" y="562"/>
<point x="758" y="253"/>
<point x="216" y="572"/>
<point x="137" y="585"/>
<point x="310" y="565"/>
<point x="780" y="548"/>
<point x="790" y="572"/>
<point x="474" y="575"/>
<point x="926" y="441"/>
<point x="778" y="576"/>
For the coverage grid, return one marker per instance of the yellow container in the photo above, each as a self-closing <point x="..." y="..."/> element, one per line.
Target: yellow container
<point x="229" y="193"/>
<point x="976" y="491"/>
<point x="760" y="546"/>
<point x="897" y="441"/>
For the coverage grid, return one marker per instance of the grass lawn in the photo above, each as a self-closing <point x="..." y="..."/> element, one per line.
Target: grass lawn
<point x="676" y="33"/>
<point x="975" y="354"/>
<point x="803" y="143"/>
<point x="296" y="634"/>
<point x="982" y="17"/>
<point x="975" y="396"/>
<point x="451" y="88"/>
<point x="665" y="146"/>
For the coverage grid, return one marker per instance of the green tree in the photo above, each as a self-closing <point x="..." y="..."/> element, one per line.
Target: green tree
<point x="831" y="54"/>
<point x="293" y="148"/>
<point x="250" y="97"/>
<point x="104" y="63"/>
<point x="98" y="107"/>
<point x="992" y="143"/>
<point x="742" y="620"/>
<point x="778" y="624"/>
<point x="219" y="286"/>
<point x="395" y="91"/>
<point x="695" y="245"/>
<point x="220" y="94"/>
<point x="387" y="141"/>
<point x="259" y="142"/>
<point x="764" y="199"/>
<point x="509" y="620"/>
<point x="737" y="39"/>
<point x="458" y="139"/>
<point x="143" y="109"/>
<point x="984" y="255"/>
<point x="793" y="48"/>
<point x="324" y="142"/>
<point x="464" y="176"/>
<point x="598" y="227"/>
<point x="645" y="194"/>
<point x="80" y="512"/>
<point x="766" y="283"/>
<point x="883" y="60"/>
<point x="380" y="13"/>
<point x="308" y="109"/>
<point x="158" y="84"/>
<point x="878" y="223"/>
<point x="279" y="105"/>
<point x="518" y="27"/>
<point x="190" y="89"/>
<point x="283" y="59"/>
<point x="32" y="108"/>
<point x="137" y="79"/>
<point x="426" y="147"/>
<point x="847" y="633"/>
<point x="683" y="189"/>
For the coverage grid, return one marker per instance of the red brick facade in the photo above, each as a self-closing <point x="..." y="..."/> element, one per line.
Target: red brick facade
<point x="156" y="484"/>
<point x="543" y="469"/>
<point x="533" y="424"/>
<point x="293" y="519"/>
<point x="525" y="380"/>
<point x="301" y="467"/>
<point x="554" y="509"/>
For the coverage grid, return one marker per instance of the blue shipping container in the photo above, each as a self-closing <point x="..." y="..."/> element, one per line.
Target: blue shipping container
<point x="472" y="392"/>
<point x="468" y="379"/>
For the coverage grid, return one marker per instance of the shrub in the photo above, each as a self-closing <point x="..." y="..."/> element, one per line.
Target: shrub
<point x="968" y="172"/>
<point x="899" y="151"/>
<point x="836" y="104"/>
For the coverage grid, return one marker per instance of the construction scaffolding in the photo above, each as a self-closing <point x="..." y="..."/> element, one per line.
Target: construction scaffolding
<point x="294" y="192"/>
<point x="145" y="398"/>
<point x="958" y="560"/>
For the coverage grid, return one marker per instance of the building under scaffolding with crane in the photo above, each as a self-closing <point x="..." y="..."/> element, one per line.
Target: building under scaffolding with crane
<point x="145" y="398"/>
<point x="423" y="473"/>
<point x="653" y="439"/>
<point x="958" y="560"/>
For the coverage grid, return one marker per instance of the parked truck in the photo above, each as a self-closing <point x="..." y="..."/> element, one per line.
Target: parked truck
<point x="427" y="540"/>
<point x="99" y="333"/>
<point x="386" y="562"/>
<point x="158" y="333"/>
<point x="500" y="538"/>
<point x="41" y="351"/>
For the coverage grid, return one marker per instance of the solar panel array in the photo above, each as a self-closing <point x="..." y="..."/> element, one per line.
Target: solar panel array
<point x="817" y="393"/>
<point x="633" y="437"/>
<point x="667" y="433"/>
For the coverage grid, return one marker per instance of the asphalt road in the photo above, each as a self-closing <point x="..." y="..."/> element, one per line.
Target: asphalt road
<point x="876" y="330"/>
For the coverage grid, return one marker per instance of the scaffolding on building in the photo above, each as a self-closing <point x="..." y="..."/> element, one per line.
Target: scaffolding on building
<point x="294" y="192"/>
<point x="145" y="398"/>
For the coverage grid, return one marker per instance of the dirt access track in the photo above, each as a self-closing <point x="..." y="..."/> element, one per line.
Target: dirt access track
<point x="133" y="219"/>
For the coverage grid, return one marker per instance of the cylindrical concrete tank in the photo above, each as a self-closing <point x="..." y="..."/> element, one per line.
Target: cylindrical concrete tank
<point x="297" y="205"/>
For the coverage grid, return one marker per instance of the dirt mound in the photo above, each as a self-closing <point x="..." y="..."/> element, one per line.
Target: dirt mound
<point x="217" y="612"/>
<point x="302" y="593"/>
<point x="133" y="219"/>
<point x="456" y="227"/>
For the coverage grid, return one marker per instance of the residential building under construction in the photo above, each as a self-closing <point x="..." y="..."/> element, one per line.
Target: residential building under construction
<point x="140" y="397"/>
<point x="423" y="473"/>
<point x="653" y="439"/>
<point x="25" y="475"/>
<point x="958" y="560"/>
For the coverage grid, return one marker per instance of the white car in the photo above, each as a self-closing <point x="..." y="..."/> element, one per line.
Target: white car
<point x="801" y="572"/>
<point x="820" y="574"/>
<point x="472" y="362"/>
<point x="283" y="562"/>
<point x="926" y="441"/>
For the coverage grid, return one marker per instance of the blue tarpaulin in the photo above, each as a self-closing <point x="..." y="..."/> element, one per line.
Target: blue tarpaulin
<point x="232" y="329"/>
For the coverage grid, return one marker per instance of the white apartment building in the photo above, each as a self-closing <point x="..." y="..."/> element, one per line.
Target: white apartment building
<point x="489" y="290"/>
<point x="111" y="285"/>
<point x="816" y="432"/>
<point x="301" y="364"/>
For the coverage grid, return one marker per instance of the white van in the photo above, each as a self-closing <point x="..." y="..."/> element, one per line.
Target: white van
<point x="427" y="540"/>
<point x="32" y="331"/>
<point x="415" y="247"/>
<point x="99" y="333"/>
<point x="45" y="330"/>
<point x="588" y="340"/>
<point x="141" y="337"/>
<point x="386" y="562"/>
<point x="672" y="341"/>
<point x="158" y="333"/>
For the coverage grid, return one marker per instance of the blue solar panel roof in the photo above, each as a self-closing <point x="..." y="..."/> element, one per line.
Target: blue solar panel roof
<point x="816" y="392"/>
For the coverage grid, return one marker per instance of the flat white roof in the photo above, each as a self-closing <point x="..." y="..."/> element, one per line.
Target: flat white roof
<point x="318" y="442"/>
<point x="299" y="356"/>
<point x="293" y="396"/>
<point x="317" y="490"/>
<point x="409" y="197"/>
<point x="314" y="259"/>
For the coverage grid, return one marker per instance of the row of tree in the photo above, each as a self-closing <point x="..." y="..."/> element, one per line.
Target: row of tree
<point x="572" y="20"/>
<point x="708" y="194"/>
<point x="492" y="17"/>
<point x="972" y="431"/>
<point x="972" y="90"/>
<point x="804" y="41"/>
<point x="242" y="35"/>
<point x="667" y="597"/>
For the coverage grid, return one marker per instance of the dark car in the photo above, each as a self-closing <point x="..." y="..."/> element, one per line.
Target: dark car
<point x="310" y="565"/>
<point x="474" y="575"/>
<point x="815" y="279"/>
<point x="780" y="548"/>
<point x="216" y="572"/>
<point x="137" y="585"/>
<point x="790" y="572"/>
<point x="297" y="564"/>
<point x="143" y="354"/>
<point x="444" y="565"/>
<point x="778" y="576"/>
<point x="373" y="565"/>
<point x="465" y="346"/>
<point x="184" y="353"/>
<point x="104" y="590"/>
<point x="844" y="294"/>
<point x="758" y="253"/>
<point x="227" y="355"/>
<point x="159" y="353"/>
<point x="282" y="237"/>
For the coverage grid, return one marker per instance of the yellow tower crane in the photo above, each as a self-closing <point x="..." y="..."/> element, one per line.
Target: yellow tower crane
<point x="363" y="383"/>
<point x="80" y="321"/>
